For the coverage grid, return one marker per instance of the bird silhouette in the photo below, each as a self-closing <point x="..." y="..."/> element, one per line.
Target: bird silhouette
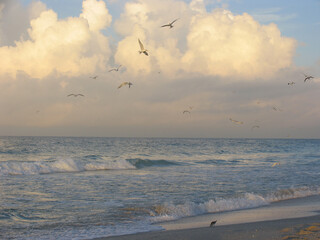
<point x="235" y="121"/>
<point x="142" y="49"/>
<point x="213" y="223"/>
<point x="170" y="25"/>
<point x="75" y="95"/>
<point x="115" y="69"/>
<point x="307" y="77"/>
<point x="124" y="84"/>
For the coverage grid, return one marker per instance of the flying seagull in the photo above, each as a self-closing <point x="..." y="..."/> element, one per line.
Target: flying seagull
<point x="291" y="83"/>
<point x="75" y="95"/>
<point x="170" y="24"/>
<point x="94" y="77"/>
<point x="307" y="77"/>
<point x="213" y="223"/>
<point x="277" y="109"/>
<point x="186" y="111"/>
<point x="142" y="49"/>
<point x="125" y="83"/>
<point x="235" y="121"/>
<point x="255" y="126"/>
<point x="115" y="69"/>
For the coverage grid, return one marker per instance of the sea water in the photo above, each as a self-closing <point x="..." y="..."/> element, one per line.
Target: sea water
<point x="82" y="188"/>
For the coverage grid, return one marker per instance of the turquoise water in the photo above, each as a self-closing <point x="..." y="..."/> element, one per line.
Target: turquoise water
<point x="82" y="188"/>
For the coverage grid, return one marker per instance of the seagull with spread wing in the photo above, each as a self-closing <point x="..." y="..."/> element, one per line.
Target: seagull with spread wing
<point x="75" y="95"/>
<point x="94" y="77"/>
<point x="124" y="84"/>
<point x="142" y="49"/>
<point x="115" y="69"/>
<point x="235" y="121"/>
<point x="170" y="25"/>
<point x="307" y="77"/>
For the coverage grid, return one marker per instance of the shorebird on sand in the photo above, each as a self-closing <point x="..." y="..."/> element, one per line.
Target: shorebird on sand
<point x="213" y="223"/>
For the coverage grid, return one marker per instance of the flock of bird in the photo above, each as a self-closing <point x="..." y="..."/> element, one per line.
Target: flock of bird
<point x="142" y="50"/>
<point x="186" y="111"/>
<point x="306" y="78"/>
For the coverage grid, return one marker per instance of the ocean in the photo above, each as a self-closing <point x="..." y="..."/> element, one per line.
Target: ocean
<point x="84" y="188"/>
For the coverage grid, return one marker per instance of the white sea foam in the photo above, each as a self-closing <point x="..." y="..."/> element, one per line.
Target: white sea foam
<point x="59" y="166"/>
<point x="169" y="211"/>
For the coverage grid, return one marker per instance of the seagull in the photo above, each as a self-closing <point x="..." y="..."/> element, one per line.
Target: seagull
<point x="170" y="24"/>
<point x="94" y="77"/>
<point x="186" y="111"/>
<point x="213" y="223"/>
<point x="142" y="48"/>
<point x="256" y="126"/>
<point x="75" y="95"/>
<point x="115" y="69"/>
<point x="235" y="121"/>
<point x="307" y="77"/>
<point x="291" y="83"/>
<point x="277" y="109"/>
<point x="275" y="164"/>
<point x="125" y="83"/>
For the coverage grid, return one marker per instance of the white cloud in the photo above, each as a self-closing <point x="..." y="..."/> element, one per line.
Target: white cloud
<point x="97" y="14"/>
<point x="215" y="43"/>
<point x="70" y="47"/>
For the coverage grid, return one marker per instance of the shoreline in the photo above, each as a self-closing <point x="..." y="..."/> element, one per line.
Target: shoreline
<point x="293" y="228"/>
<point x="297" y="218"/>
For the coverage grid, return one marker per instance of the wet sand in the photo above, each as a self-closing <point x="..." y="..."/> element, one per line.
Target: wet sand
<point x="307" y="228"/>
<point x="285" y="220"/>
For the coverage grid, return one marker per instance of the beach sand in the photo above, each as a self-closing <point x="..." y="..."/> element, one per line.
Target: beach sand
<point x="284" y="220"/>
<point x="307" y="228"/>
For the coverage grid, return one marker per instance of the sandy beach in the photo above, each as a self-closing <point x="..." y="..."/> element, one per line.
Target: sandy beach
<point x="291" y="219"/>
<point x="296" y="228"/>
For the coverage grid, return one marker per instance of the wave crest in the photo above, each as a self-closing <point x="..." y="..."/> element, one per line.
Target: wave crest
<point x="70" y="165"/>
<point x="169" y="211"/>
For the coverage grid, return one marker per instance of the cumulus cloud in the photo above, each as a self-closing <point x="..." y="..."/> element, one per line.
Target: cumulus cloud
<point x="217" y="43"/>
<point x="220" y="43"/>
<point x="70" y="47"/>
<point x="15" y="19"/>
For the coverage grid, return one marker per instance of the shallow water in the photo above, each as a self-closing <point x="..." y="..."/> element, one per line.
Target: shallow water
<point x="58" y="187"/>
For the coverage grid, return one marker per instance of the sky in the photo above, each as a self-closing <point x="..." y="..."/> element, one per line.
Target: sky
<point x="222" y="71"/>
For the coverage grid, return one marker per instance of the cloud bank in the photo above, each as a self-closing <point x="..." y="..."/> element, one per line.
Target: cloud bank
<point x="215" y="43"/>
<point x="68" y="47"/>
<point x="219" y="62"/>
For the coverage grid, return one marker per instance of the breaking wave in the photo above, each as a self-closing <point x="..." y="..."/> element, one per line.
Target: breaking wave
<point x="169" y="211"/>
<point x="70" y="165"/>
